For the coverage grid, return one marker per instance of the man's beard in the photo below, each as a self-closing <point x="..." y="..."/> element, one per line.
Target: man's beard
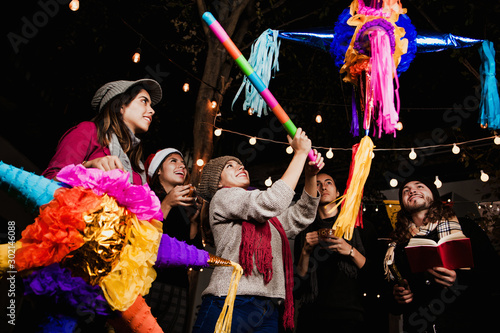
<point x="418" y="207"/>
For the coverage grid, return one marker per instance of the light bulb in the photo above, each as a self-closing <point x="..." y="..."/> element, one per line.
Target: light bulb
<point x="399" y="126"/>
<point x="484" y="176"/>
<point x="376" y="209"/>
<point x="319" y="119"/>
<point x="496" y="140"/>
<point x="456" y="149"/>
<point x="137" y="56"/>
<point x="185" y="87"/>
<point x="217" y="132"/>
<point x="329" y="153"/>
<point x="268" y="182"/>
<point x="214" y="104"/>
<point x="74" y="5"/>
<point x="438" y="183"/>
<point x="200" y="162"/>
<point x="250" y="111"/>
<point x="413" y="155"/>
<point x="252" y="140"/>
<point x="289" y="150"/>
<point x="393" y="182"/>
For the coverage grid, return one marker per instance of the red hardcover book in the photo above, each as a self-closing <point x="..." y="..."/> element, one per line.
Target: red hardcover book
<point x="452" y="251"/>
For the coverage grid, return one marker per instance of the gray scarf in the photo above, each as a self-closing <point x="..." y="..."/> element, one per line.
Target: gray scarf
<point x="116" y="149"/>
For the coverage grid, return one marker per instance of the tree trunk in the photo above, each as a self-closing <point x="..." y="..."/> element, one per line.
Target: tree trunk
<point x="205" y="115"/>
<point x="215" y="81"/>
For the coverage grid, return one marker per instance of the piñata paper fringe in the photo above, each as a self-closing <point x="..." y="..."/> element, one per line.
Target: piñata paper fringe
<point x="383" y="72"/>
<point x="264" y="60"/>
<point x="223" y="324"/>
<point x="490" y="104"/>
<point x="348" y="216"/>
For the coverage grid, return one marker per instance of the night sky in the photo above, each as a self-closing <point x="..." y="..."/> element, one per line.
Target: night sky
<point x="55" y="59"/>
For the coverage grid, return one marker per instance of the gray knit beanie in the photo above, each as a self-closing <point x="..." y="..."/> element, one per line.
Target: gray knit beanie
<point x="210" y="176"/>
<point x="111" y="89"/>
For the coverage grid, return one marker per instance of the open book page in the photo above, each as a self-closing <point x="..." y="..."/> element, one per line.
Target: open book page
<point x="419" y="241"/>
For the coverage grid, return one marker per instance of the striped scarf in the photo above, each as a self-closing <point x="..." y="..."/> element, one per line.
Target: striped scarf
<point x="444" y="228"/>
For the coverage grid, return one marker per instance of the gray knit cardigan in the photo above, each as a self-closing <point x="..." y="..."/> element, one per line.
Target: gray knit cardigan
<point x="229" y="207"/>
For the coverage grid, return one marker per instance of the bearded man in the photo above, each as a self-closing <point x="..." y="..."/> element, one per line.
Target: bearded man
<point x="441" y="299"/>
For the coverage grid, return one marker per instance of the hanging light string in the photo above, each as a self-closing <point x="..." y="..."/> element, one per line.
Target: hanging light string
<point x="348" y="149"/>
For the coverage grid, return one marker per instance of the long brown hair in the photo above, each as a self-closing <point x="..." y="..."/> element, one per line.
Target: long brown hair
<point x="110" y="120"/>
<point x="437" y="211"/>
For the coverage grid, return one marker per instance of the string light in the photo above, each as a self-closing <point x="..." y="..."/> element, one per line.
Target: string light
<point x="456" y="149"/>
<point x="137" y="55"/>
<point x="250" y="111"/>
<point x="214" y="104"/>
<point x="217" y="132"/>
<point x="252" y="140"/>
<point x="268" y="182"/>
<point x="200" y="162"/>
<point x="484" y="176"/>
<point x="74" y="5"/>
<point x="319" y="119"/>
<point x="399" y="126"/>
<point x="412" y="154"/>
<point x="185" y="87"/>
<point x="393" y="182"/>
<point x="438" y="183"/>
<point x="329" y="150"/>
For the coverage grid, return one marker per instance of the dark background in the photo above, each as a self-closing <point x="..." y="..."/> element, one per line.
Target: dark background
<point x="53" y="60"/>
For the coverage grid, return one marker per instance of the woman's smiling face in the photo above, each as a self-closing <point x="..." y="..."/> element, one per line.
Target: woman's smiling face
<point x="172" y="171"/>
<point x="138" y="114"/>
<point x="234" y="175"/>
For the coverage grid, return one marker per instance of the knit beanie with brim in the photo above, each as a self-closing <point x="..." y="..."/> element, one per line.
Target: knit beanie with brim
<point x="210" y="176"/>
<point x="424" y="180"/>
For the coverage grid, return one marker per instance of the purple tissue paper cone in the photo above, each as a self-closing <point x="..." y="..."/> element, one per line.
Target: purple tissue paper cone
<point x="173" y="252"/>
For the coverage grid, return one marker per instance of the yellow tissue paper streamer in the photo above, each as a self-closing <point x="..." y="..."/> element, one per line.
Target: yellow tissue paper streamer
<point x="346" y="221"/>
<point x="134" y="273"/>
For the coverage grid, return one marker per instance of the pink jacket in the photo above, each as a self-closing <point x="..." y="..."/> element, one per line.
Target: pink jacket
<point x="77" y="145"/>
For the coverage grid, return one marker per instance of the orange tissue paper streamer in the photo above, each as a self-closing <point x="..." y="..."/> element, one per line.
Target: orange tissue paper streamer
<point x="58" y="229"/>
